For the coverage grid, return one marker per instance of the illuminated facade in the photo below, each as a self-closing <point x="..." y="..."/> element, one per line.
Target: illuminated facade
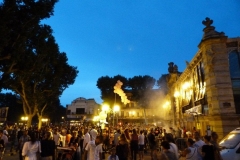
<point x="82" y="108"/>
<point x="207" y="93"/>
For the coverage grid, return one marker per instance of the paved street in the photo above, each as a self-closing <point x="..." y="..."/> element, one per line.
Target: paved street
<point x="8" y="156"/>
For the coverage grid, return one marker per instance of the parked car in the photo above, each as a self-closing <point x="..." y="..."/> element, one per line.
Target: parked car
<point x="231" y="145"/>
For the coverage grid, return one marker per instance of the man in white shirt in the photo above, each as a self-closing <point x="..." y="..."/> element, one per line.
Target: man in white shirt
<point x="86" y="138"/>
<point x="93" y="133"/>
<point x="90" y="150"/>
<point x="198" y="144"/>
<point x="98" y="150"/>
<point x="56" y="137"/>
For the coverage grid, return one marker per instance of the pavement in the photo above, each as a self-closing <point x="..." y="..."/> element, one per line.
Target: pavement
<point x="14" y="155"/>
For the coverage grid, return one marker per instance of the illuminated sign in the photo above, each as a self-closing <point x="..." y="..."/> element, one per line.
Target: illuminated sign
<point x="195" y="110"/>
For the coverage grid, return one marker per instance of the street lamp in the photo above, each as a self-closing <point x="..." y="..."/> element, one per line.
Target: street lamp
<point x="24" y="119"/>
<point x="44" y="120"/>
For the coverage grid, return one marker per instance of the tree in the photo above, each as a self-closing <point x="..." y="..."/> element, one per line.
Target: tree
<point x="142" y="90"/>
<point x="141" y="86"/>
<point x="30" y="62"/>
<point x="106" y="85"/>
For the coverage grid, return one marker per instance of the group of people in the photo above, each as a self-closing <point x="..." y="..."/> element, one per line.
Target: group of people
<point x="91" y="143"/>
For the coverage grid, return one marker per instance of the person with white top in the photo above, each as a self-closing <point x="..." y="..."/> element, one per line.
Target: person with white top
<point x="31" y="148"/>
<point x="173" y="147"/>
<point x="198" y="144"/>
<point x="86" y="138"/>
<point x="90" y="150"/>
<point x="3" y="137"/>
<point x="98" y="150"/>
<point x="190" y="152"/>
<point x="93" y="133"/>
<point x="141" y="145"/>
<point x="56" y="137"/>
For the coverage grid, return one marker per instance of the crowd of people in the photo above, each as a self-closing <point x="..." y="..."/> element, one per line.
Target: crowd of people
<point x="122" y="143"/>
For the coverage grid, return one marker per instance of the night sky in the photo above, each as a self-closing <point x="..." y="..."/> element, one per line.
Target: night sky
<point x="133" y="37"/>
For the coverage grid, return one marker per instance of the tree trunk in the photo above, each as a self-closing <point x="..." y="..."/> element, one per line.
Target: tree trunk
<point x="144" y="111"/>
<point x="29" y="121"/>
<point x="39" y="121"/>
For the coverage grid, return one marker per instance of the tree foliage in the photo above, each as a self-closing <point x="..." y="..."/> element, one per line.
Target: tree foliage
<point x="138" y="86"/>
<point x="31" y="64"/>
<point x="106" y="84"/>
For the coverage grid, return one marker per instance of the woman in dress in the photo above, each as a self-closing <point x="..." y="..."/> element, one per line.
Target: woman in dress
<point x="31" y="148"/>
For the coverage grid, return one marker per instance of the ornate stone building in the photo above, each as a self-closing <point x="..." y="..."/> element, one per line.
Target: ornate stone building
<point x="82" y="109"/>
<point x="207" y="93"/>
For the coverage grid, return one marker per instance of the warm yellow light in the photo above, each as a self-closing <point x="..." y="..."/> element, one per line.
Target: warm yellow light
<point x="186" y="85"/>
<point x="116" y="108"/>
<point x="44" y="119"/>
<point x="166" y="105"/>
<point x="176" y="94"/>
<point x="24" y="118"/>
<point x="231" y="136"/>
<point x="105" y="107"/>
<point x="96" y="118"/>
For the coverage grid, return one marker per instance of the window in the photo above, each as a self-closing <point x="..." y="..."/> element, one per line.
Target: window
<point x="80" y="110"/>
<point x="234" y="68"/>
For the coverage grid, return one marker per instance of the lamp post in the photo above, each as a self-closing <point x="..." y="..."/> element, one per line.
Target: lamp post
<point x="24" y="119"/>
<point x="45" y="120"/>
<point x="116" y="109"/>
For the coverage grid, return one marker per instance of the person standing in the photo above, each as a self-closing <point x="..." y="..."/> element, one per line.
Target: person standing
<point x="141" y="145"/>
<point x="47" y="147"/>
<point x="90" y="150"/>
<point x="166" y="154"/>
<point x="217" y="148"/>
<point x="151" y="142"/>
<point x="198" y="144"/>
<point x="122" y="149"/>
<point x="24" y="138"/>
<point x="56" y="137"/>
<point x="3" y="137"/>
<point x="191" y="152"/>
<point x="86" y="138"/>
<point x="116" y="137"/>
<point x="173" y="147"/>
<point x="31" y="148"/>
<point x="208" y="149"/>
<point x="98" y="150"/>
<point x="93" y="133"/>
<point x="134" y="144"/>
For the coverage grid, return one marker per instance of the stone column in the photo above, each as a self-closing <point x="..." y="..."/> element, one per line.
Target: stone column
<point x="222" y="115"/>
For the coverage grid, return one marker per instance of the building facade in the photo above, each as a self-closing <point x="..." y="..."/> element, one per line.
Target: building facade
<point x="207" y="93"/>
<point x="82" y="109"/>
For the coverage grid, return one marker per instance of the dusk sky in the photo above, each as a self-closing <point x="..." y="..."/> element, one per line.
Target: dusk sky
<point x="133" y="37"/>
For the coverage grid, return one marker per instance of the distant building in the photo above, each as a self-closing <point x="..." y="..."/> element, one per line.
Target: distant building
<point x="82" y="109"/>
